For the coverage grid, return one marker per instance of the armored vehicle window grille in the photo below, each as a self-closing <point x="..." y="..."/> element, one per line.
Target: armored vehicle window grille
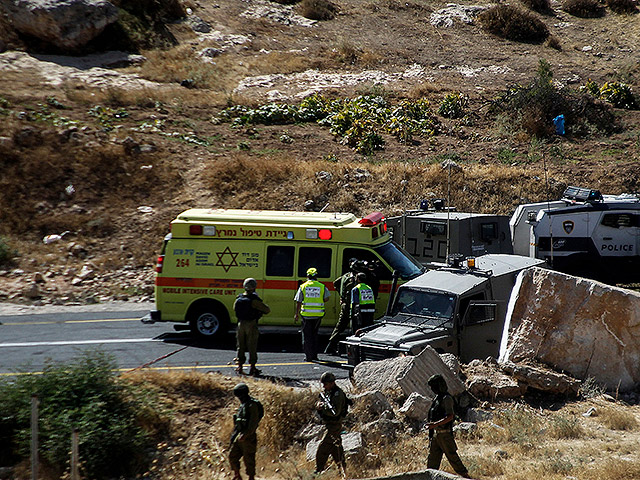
<point x="280" y="261"/>
<point x="480" y="314"/>
<point x="422" y="307"/>
<point x="319" y="258"/>
<point x="621" y="220"/>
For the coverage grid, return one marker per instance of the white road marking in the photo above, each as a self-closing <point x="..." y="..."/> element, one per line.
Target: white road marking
<point x="79" y="342"/>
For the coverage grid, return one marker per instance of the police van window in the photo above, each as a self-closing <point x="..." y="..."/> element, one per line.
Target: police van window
<point x="367" y="258"/>
<point x="319" y="258"/>
<point x="280" y="261"/>
<point x="621" y="220"/>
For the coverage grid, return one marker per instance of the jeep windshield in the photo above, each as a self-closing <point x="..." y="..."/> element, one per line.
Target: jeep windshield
<point x="423" y="307"/>
<point x="400" y="260"/>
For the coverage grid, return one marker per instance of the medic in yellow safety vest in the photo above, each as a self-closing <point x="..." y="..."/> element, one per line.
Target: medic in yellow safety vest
<point x="363" y="304"/>
<point x="310" y="299"/>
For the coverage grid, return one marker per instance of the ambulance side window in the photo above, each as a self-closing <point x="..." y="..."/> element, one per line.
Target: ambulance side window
<point x="319" y="258"/>
<point x="280" y="261"/>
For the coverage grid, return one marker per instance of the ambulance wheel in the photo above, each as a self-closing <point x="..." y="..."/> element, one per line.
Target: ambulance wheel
<point x="208" y="323"/>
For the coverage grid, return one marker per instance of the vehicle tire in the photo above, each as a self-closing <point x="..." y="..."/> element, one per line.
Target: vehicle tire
<point x="208" y="324"/>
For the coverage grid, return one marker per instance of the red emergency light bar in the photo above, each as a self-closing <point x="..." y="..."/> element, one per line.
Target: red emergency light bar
<point x="372" y="219"/>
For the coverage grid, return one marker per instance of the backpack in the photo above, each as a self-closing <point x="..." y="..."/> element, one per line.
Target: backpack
<point x="243" y="308"/>
<point x="260" y="408"/>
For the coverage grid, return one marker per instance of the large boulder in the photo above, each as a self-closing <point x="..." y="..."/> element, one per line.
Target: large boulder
<point x="66" y="24"/>
<point x="401" y="376"/>
<point x="579" y="326"/>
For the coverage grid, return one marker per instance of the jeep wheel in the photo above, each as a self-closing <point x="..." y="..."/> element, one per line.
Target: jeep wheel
<point x="208" y="324"/>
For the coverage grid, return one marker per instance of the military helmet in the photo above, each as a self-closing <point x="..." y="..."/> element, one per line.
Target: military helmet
<point x="241" y="390"/>
<point x="437" y="383"/>
<point x="250" y="284"/>
<point x="361" y="277"/>
<point x="312" y="272"/>
<point x="327" y="377"/>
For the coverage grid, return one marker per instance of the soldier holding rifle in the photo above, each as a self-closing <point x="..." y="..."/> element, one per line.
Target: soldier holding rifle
<point x="332" y="408"/>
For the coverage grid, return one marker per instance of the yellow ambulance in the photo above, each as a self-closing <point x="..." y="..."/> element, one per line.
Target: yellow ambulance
<point x="209" y="252"/>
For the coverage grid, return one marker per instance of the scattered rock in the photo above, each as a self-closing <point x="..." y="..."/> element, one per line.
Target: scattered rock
<point x="416" y="407"/>
<point x="67" y="24"/>
<point x="27" y="137"/>
<point x="381" y="430"/>
<point x="485" y="380"/>
<point x="38" y="278"/>
<point x="465" y="428"/>
<point x="309" y="432"/>
<point x="198" y="25"/>
<point x="324" y="176"/>
<point x="32" y="291"/>
<point x="543" y="379"/>
<point x="374" y="402"/>
<point x="210" y="52"/>
<point x="465" y="13"/>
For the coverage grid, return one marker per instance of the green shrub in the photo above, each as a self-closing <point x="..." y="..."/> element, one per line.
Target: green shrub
<point x="619" y="95"/>
<point x="622" y="7"/>
<point x="6" y="252"/>
<point x="317" y="9"/>
<point x="513" y="23"/>
<point x="533" y="107"/>
<point x="583" y="8"/>
<point x="453" y="105"/>
<point x="84" y="394"/>
<point x="359" y="122"/>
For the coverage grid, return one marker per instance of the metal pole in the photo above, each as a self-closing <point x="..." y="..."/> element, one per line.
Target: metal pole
<point x="74" y="454"/>
<point x="34" y="437"/>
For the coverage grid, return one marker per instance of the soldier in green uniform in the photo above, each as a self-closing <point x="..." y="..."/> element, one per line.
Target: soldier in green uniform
<point x="440" y="425"/>
<point x="332" y="408"/>
<point x="244" y="441"/>
<point x="343" y="286"/>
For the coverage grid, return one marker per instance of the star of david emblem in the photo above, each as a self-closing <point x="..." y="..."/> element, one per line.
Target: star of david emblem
<point x="229" y="262"/>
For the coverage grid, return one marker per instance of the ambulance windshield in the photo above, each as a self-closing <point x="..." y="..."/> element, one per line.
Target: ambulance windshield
<point x="399" y="260"/>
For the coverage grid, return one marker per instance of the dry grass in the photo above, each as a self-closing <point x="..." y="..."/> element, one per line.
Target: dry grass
<point x="514" y="23"/>
<point x="284" y="182"/>
<point x="518" y="443"/>
<point x="617" y="419"/>
<point x="583" y="8"/>
<point x="623" y="7"/>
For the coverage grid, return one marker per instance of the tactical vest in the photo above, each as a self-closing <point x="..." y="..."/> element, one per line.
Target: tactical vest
<point x="244" y="310"/>
<point x="437" y="411"/>
<point x="313" y="299"/>
<point x="365" y="298"/>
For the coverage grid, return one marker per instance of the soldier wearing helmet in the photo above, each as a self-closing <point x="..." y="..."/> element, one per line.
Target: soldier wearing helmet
<point x="248" y="308"/>
<point x="332" y="408"/>
<point x="244" y="441"/>
<point x="309" y="304"/>
<point x="440" y="425"/>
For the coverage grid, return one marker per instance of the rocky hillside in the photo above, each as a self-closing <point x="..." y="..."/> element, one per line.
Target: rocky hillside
<point x="352" y="103"/>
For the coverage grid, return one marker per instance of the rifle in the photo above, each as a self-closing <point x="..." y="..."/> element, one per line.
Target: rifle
<point x="327" y="402"/>
<point x="239" y="426"/>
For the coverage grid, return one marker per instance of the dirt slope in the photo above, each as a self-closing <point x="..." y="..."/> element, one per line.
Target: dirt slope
<point x="112" y="155"/>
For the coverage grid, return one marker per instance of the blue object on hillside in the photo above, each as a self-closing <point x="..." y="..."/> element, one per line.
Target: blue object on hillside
<point x="559" y="123"/>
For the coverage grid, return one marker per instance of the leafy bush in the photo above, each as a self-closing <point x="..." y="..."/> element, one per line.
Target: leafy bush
<point x="513" y="23"/>
<point x="583" y="8"/>
<point x="619" y="95"/>
<point x="453" y="105"/>
<point x="86" y="395"/>
<point x="622" y="7"/>
<point x="359" y="122"/>
<point x="317" y="9"/>
<point x="532" y="107"/>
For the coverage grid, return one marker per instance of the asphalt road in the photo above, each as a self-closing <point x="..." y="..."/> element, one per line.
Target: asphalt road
<point x="30" y="337"/>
